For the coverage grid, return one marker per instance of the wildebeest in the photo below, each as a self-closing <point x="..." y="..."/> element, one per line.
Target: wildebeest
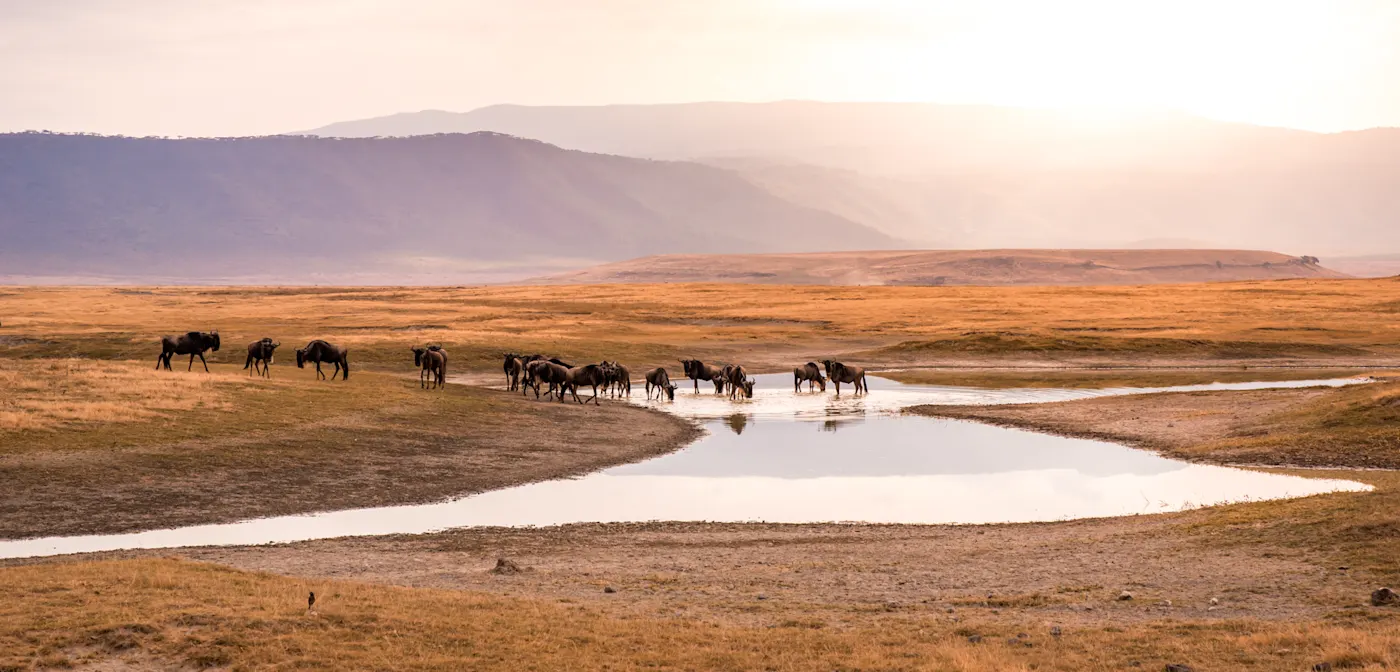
<point x="527" y="377"/>
<point x="194" y="343"/>
<point x="661" y="380"/>
<point x="433" y="363"/>
<point x="739" y="382"/>
<point x="588" y="374"/>
<point x="513" y="367"/>
<point x="319" y="352"/>
<point x="260" y="352"/>
<point x="840" y="373"/>
<point x="809" y="373"/>
<point x="725" y="373"/>
<point x="543" y="371"/>
<point x="618" y="379"/>
<point x="697" y="371"/>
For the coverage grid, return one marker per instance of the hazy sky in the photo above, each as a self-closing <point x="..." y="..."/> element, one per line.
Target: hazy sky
<point x="214" y="67"/>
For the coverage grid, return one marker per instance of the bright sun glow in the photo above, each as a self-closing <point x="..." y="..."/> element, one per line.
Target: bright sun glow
<point x="1105" y="59"/>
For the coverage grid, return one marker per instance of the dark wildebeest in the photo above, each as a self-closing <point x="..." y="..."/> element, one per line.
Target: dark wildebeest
<point x="725" y="373"/>
<point x="810" y="373"/>
<point x="260" y="352"/>
<point x="661" y="380"/>
<point x="433" y="360"/>
<point x="319" y="352"/>
<point x="527" y="378"/>
<point x="194" y="343"/>
<point x="543" y="371"/>
<point x="739" y="382"/>
<point x="840" y="373"/>
<point x="619" y="379"/>
<point x="588" y="374"/>
<point x="697" y="371"/>
<point x="513" y="367"/>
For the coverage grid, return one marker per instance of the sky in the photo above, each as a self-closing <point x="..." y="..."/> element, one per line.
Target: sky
<point x="250" y="67"/>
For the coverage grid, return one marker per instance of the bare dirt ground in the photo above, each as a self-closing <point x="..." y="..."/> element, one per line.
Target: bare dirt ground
<point x="1070" y="573"/>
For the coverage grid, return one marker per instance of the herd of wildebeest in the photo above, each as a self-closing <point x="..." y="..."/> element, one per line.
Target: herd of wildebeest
<point x="524" y="372"/>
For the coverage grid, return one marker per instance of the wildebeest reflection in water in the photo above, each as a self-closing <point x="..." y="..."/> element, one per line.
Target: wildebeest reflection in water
<point x="737" y="422"/>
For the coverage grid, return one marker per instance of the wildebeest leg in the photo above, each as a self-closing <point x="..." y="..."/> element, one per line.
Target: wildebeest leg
<point x="336" y="372"/>
<point x="191" y="366"/>
<point x="160" y="359"/>
<point x="595" y="395"/>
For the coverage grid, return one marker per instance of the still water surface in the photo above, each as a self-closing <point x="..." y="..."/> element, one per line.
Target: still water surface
<point x="797" y="458"/>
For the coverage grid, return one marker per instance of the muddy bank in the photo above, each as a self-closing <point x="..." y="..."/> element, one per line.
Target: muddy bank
<point x="378" y="441"/>
<point x="1317" y="428"/>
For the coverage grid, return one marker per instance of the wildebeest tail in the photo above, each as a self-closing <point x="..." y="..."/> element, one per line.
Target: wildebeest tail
<point x="249" y="362"/>
<point x="345" y="366"/>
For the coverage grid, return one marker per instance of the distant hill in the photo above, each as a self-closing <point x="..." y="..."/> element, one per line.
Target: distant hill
<point x="285" y="206"/>
<point x="902" y="139"/>
<point x="956" y="267"/>
<point x="967" y="176"/>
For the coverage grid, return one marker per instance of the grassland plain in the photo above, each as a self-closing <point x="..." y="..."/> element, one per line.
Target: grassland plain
<point x="687" y="596"/>
<point x="1329" y="322"/>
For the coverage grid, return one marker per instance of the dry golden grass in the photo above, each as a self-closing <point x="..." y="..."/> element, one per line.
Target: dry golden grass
<point x="769" y="325"/>
<point x="56" y="393"/>
<point x="164" y="613"/>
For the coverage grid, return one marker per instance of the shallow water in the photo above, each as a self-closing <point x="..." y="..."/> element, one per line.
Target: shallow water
<point x="794" y="458"/>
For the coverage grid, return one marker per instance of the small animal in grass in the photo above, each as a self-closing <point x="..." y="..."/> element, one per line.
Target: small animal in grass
<point x="311" y="601"/>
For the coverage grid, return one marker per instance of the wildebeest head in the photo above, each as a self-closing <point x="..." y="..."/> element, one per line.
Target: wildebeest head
<point x="688" y="365"/>
<point x="215" y="335"/>
<point x="301" y="358"/>
<point x="748" y="388"/>
<point x="671" y="392"/>
<point x="418" y="355"/>
<point x="829" y="364"/>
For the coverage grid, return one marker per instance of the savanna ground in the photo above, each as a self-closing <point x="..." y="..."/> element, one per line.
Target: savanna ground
<point x="96" y="440"/>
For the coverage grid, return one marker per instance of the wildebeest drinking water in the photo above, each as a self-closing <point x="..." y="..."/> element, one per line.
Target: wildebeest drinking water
<point x="320" y="352"/>
<point x="433" y="360"/>
<point x="697" y="371"/>
<point x="194" y="343"/>
<point x="661" y="380"/>
<point x="739" y="382"/>
<point x="809" y="373"/>
<point x="840" y="373"/>
<point x="260" y="352"/>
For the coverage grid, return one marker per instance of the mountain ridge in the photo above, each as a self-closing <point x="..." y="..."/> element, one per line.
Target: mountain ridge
<point x="249" y="206"/>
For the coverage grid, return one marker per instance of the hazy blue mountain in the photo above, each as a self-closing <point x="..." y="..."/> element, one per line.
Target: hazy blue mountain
<point x="284" y="205"/>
